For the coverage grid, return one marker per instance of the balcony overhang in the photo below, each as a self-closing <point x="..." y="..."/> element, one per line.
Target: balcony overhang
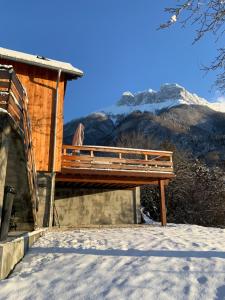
<point x="112" y="167"/>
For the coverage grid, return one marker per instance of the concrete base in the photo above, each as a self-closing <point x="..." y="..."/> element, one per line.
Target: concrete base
<point x="14" y="249"/>
<point x="76" y="207"/>
<point x="44" y="191"/>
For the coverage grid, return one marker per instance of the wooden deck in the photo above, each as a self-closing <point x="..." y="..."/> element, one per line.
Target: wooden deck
<point x="114" y="167"/>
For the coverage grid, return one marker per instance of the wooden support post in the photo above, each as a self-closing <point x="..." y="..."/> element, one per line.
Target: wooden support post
<point x="6" y="212"/>
<point x="162" y="202"/>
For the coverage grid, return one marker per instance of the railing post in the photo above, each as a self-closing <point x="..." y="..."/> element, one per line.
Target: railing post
<point x="146" y="158"/>
<point x="120" y="157"/>
<point x="171" y="160"/>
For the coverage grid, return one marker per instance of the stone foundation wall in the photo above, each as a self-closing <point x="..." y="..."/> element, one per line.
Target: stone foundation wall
<point x="13" y="172"/>
<point x="16" y="176"/>
<point x="74" y="207"/>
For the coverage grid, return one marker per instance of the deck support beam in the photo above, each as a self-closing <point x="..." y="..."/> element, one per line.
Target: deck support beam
<point x="162" y="202"/>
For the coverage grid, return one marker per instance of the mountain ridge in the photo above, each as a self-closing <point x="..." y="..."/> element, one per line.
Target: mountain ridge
<point x="169" y="95"/>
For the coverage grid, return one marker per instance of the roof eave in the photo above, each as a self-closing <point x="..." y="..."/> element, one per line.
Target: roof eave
<point x="71" y="74"/>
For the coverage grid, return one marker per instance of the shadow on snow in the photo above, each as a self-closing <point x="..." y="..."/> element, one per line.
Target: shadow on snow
<point x="131" y="252"/>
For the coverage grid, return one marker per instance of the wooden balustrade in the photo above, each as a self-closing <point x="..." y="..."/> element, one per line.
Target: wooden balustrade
<point x="113" y="158"/>
<point x="12" y="95"/>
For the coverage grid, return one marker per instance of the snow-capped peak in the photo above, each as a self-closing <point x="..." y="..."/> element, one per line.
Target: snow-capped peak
<point x="127" y="93"/>
<point x="169" y="95"/>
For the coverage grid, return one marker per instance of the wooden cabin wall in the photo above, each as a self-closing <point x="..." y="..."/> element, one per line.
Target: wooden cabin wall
<point x="40" y="84"/>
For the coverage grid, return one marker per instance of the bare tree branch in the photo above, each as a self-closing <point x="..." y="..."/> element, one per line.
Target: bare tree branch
<point x="207" y="17"/>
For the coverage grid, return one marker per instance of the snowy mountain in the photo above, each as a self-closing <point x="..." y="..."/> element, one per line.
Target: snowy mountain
<point x="168" y="96"/>
<point x="171" y="114"/>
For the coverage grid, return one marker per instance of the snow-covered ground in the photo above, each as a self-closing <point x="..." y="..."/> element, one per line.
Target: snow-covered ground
<point x="151" y="262"/>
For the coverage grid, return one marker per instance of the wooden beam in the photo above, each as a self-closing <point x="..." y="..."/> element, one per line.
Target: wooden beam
<point x="69" y="159"/>
<point x="110" y="180"/>
<point x="115" y="166"/>
<point x="124" y="173"/>
<point x="162" y="202"/>
<point x="118" y="150"/>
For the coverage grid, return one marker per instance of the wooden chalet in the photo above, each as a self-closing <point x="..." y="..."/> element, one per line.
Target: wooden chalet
<point x="35" y="87"/>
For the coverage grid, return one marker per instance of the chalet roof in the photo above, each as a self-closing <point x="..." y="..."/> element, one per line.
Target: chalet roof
<point x="41" y="62"/>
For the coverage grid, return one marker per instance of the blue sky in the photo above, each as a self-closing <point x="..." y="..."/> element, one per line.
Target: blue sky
<point x="115" y="43"/>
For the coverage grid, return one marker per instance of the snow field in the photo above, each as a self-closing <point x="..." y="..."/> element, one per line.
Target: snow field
<point x="147" y="262"/>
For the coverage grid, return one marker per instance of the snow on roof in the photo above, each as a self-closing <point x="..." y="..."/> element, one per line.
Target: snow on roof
<point x="40" y="61"/>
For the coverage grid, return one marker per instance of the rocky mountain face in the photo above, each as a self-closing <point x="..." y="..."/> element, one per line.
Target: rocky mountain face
<point x="172" y="114"/>
<point x="166" y="92"/>
<point x="169" y="95"/>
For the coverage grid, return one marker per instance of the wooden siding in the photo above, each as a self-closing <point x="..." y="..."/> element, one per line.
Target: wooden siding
<point x="40" y="84"/>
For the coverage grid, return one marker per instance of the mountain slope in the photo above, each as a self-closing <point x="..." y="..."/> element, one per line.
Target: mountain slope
<point x="97" y="127"/>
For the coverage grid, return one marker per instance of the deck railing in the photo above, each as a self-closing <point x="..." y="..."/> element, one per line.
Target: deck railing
<point x="14" y="101"/>
<point x="113" y="158"/>
<point x="11" y="95"/>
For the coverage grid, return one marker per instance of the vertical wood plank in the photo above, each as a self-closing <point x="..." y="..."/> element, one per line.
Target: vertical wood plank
<point x="162" y="202"/>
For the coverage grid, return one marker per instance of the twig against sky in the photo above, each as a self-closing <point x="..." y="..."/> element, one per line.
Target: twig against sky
<point x="207" y="17"/>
